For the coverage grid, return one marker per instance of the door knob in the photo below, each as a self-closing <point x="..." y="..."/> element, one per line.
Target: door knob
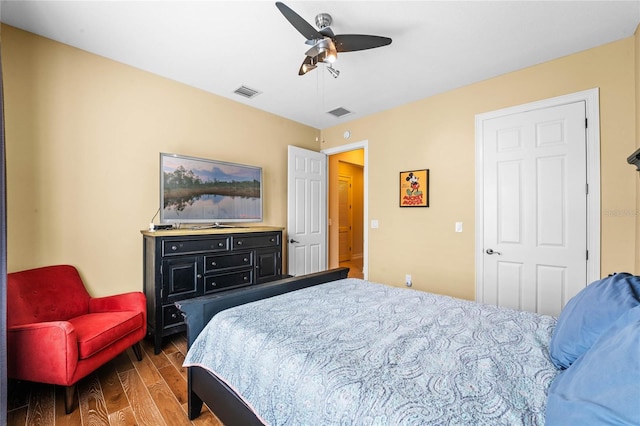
<point x="490" y="251"/>
<point x="293" y="241"/>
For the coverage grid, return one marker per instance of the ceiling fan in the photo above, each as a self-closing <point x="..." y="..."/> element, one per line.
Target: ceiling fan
<point x="325" y="44"/>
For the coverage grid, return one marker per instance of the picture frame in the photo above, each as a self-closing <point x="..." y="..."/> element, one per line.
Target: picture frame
<point x="414" y="188"/>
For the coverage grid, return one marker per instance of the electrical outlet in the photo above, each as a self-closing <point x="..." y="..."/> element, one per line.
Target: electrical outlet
<point x="407" y="280"/>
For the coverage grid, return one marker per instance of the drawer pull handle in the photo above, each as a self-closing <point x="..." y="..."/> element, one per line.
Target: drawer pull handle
<point x="174" y="315"/>
<point x="245" y="278"/>
<point x="220" y="244"/>
<point x="245" y="259"/>
<point x="199" y="276"/>
<point x="174" y="248"/>
<point x="214" y="264"/>
<point x="239" y="243"/>
<point x="273" y="240"/>
<point x="213" y="284"/>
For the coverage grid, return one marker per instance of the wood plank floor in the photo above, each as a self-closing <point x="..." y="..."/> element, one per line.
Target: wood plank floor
<point x="355" y="267"/>
<point x="123" y="392"/>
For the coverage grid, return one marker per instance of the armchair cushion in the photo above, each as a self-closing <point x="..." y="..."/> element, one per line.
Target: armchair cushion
<point x="97" y="331"/>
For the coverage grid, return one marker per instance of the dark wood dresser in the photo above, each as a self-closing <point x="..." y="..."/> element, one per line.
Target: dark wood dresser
<point x="181" y="264"/>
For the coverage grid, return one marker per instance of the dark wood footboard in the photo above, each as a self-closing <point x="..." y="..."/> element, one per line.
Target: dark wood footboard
<point x="202" y="386"/>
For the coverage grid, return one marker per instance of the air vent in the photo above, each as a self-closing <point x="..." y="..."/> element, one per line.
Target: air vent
<point x="247" y="92"/>
<point x="339" y="112"/>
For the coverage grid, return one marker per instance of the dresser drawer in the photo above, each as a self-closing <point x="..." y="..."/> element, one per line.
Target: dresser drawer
<point x="172" y="247"/>
<point x="217" y="282"/>
<point x="171" y="316"/>
<point x="227" y="261"/>
<point x="252" y="241"/>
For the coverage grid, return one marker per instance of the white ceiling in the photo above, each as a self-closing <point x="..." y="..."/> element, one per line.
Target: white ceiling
<point x="219" y="46"/>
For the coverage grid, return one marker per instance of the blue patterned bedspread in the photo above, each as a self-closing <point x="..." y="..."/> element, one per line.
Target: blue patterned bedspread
<point x="353" y="352"/>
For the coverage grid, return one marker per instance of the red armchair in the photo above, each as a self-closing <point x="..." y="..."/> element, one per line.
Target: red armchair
<point x="58" y="334"/>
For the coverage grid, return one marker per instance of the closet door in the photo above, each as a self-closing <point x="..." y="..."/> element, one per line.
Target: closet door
<point x="535" y="208"/>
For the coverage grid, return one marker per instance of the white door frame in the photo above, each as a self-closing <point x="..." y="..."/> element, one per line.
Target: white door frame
<point x="591" y="98"/>
<point x="365" y="228"/>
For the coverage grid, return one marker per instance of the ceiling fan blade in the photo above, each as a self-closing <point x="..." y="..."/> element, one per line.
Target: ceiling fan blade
<point x="352" y="42"/>
<point x="298" y="23"/>
<point x="307" y="65"/>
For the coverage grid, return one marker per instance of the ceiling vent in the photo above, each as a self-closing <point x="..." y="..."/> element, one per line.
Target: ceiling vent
<point x="339" y="112"/>
<point x="247" y="92"/>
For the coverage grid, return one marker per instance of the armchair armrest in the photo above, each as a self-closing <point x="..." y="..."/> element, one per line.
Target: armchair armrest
<point x="44" y="352"/>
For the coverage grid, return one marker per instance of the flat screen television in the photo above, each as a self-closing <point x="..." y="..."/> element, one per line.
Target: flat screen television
<point x="202" y="191"/>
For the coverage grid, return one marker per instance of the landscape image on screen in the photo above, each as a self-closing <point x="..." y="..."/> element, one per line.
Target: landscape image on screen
<point x="200" y="190"/>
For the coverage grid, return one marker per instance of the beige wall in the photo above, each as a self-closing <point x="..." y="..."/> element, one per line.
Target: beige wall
<point x="83" y="136"/>
<point x="83" y="140"/>
<point x="438" y="133"/>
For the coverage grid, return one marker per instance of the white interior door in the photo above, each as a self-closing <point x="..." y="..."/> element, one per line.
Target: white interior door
<point x="307" y="211"/>
<point x="535" y="208"/>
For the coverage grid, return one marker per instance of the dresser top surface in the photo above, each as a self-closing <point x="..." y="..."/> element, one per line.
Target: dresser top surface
<point x="210" y="231"/>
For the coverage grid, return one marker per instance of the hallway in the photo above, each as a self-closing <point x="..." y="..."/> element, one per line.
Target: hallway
<point x="355" y="267"/>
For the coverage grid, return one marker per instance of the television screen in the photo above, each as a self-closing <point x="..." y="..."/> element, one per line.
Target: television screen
<point x="199" y="190"/>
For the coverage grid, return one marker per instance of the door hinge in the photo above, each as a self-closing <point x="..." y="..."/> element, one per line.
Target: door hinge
<point x="587" y="254"/>
<point x="586" y="123"/>
<point x="586" y="189"/>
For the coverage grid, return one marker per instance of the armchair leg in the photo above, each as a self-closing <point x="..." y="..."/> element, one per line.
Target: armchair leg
<point x="69" y="398"/>
<point x="137" y="350"/>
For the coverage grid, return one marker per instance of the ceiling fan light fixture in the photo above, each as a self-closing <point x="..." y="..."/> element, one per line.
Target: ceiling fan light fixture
<point x="328" y="53"/>
<point x="323" y="51"/>
<point x="307" y="67"/>
<point x="332" y="54"/>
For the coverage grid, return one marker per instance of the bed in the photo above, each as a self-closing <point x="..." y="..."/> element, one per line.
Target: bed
<point x="326" y="349"/>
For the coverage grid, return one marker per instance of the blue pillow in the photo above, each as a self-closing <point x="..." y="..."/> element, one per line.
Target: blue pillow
<point x="603" y="386"/>
<point x="591" y="312"/>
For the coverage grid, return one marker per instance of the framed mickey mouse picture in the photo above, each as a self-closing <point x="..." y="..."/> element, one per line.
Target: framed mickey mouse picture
<point x="414" y="188"/>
